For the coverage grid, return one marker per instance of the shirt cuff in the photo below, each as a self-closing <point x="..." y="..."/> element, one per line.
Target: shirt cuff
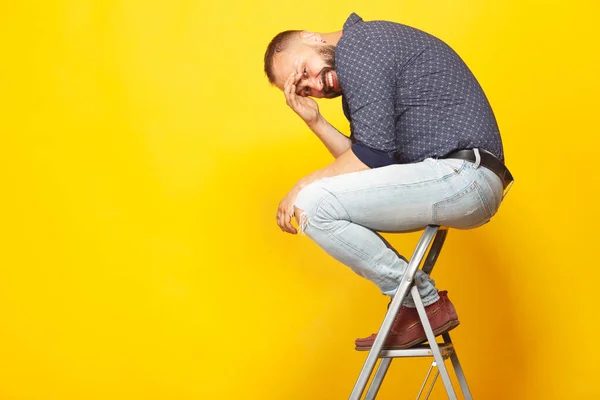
<point x="371" y="157"/>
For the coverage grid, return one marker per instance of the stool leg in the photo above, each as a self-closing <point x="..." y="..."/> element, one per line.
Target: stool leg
<point x="433" y="364"/>
<point x="378" y="378"/>
<point x="437" y="373"/>
<point x="402" y="291"/>
<point x="458" y="370"/>
<point x="435" y="250"/>
<point x="433" y="344"/>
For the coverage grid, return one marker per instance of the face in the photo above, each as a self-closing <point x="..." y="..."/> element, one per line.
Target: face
<point x="314" y="64"/>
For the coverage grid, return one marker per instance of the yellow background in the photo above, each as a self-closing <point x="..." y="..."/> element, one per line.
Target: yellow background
<point x="143" y="158"/>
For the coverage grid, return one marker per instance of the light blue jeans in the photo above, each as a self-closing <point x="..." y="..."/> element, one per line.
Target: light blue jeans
<point x="343" y="214"/>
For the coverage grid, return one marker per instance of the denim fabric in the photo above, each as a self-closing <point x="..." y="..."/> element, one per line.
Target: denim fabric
<point x="342" y="214"/>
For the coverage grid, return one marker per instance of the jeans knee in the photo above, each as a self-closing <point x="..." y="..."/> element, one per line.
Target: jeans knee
<point x="310" y="197"/>
<point x="319" y="205"/>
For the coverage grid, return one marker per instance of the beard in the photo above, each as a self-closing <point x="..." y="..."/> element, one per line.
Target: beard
<point x="327" y="53"/>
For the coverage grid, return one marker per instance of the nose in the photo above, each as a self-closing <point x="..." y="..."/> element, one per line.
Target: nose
<point x="316" y="83"/>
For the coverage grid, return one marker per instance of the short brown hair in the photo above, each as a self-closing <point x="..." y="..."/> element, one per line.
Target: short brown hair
<point x="278" y="44"/>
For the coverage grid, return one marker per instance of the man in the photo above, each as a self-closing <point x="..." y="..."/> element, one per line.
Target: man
<point x="424" y="149"/>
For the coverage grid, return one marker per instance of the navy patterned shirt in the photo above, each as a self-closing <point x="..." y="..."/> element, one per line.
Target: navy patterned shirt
<point x="409" y="96"/>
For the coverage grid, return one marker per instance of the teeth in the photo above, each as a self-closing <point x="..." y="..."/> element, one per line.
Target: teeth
<point x="330" y="79"/>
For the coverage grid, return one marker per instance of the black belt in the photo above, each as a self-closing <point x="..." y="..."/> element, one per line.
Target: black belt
<point x="488" y="160"/>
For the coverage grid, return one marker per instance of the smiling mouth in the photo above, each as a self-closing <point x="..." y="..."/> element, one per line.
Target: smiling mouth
<point x="328" y="80"/>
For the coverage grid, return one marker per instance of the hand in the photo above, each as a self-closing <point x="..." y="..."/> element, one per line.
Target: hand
<point x="285" y="211"/>
<point x="305" y="107"/>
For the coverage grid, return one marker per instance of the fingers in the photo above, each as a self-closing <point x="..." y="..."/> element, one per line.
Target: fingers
<point x="289" y="89"/>
<point x="284" y="220"/>
<point x="290" y="81"/>
<point x="289" y="228"/>
<point x="293" y="79"/>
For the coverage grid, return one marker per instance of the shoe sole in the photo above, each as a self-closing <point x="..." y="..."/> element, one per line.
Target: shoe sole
<point x="447" y="327"/>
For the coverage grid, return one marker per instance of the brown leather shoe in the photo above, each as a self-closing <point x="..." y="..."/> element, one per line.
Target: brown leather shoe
<point x="407" y="330"/>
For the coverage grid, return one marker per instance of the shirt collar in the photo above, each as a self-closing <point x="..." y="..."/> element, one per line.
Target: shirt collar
<point x="352" y="19"/>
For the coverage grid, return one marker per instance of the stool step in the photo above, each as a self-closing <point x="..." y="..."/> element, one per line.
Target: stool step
<point x="446" y="349"/>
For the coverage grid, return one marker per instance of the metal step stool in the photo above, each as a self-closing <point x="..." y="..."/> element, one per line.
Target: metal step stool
<point x="433" y="238"/>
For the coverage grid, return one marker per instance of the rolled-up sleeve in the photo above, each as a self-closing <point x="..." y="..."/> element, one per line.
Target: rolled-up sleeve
<point x="372" y="158"/>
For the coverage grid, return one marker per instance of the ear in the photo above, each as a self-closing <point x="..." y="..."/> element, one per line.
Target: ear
<point x="311" y="37"/>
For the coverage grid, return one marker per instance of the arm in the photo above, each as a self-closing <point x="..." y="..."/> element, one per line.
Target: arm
<point x="336" y="142"/>
<point x="347" y="162"/>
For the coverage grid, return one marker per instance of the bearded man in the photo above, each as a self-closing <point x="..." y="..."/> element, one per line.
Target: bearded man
<point x="424" y="149"/>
